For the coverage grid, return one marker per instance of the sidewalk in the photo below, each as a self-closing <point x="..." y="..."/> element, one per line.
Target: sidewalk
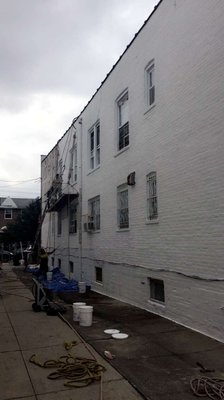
<point x="158" y="358"/>
<point x="24" y="333"/>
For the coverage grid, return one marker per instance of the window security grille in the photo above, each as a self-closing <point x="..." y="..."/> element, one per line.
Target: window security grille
<point x="94" y="213"/>
<point x="152" y="196"/>
<point x="123" y="214"/>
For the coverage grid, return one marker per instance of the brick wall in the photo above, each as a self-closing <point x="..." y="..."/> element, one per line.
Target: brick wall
<point x="181" y="138"/>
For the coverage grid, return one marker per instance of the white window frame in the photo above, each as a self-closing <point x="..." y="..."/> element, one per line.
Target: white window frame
<point x="94" y="146"/>
<point x="152" y="198"/>
<point x="8" y="213"/>
<point x="150" y="84"/>
<point x="122" y="209"/>
<point x="94" y="212"/>
<point x="123" y="121"/>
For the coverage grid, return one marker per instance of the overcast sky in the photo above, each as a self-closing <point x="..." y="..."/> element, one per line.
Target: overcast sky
<point x="54" y="55"/>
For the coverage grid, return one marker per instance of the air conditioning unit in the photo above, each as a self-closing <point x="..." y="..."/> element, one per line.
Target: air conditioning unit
<point x="89" y="224"/>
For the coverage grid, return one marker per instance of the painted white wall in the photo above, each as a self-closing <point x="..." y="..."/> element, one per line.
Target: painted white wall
<point x="181" y="138"/>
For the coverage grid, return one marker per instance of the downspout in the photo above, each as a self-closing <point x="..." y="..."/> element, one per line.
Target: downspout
<point x="80" y="204"/>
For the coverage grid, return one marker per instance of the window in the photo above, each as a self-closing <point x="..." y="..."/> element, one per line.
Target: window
<point x="157" y="290"/>
<point x="123" y="122"/>
<point x="94" y="212"/>
<point x="98" y="274"/>
<point x="71" y="267"/>
<point x="94" y="145"/>
<point x="59" y="223"/>
<point x="73" y="218"/>
<point x="122" y="199"/>
<point x="152" y="207"/>
<point x="59" y="263"/>
<point x="73" y="172"/>
<point x="150" y="84"/>
<point x="8" y="213"/>
<point x="52" y="261"/>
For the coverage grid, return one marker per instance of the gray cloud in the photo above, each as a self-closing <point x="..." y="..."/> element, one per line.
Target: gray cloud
<point x="54" y="55"/>
<point x="64" y="46"/>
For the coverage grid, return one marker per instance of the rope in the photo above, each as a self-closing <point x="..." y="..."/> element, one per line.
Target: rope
<point x="208" y="387"/>
<point x="88" y="348"/>
<point x="78" y="371"/>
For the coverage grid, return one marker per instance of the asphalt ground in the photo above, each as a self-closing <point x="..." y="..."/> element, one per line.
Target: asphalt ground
<point x="159" y="358"/>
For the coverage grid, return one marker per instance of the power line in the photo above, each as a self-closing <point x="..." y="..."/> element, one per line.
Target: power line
<point x="31" y="181"/>
<point x="28" y="180"/>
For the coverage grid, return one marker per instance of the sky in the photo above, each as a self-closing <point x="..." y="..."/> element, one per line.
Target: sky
<point x="54" y="56"/>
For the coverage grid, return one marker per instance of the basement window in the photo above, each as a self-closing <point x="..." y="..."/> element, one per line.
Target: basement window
<point x="157" y="292"/>
<point x="99" y="274"/>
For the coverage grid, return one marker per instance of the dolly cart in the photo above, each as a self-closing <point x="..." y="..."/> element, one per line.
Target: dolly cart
<point x="41" y="300"/>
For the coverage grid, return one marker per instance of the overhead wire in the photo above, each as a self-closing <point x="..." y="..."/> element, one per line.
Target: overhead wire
<point x="17" y="183"/>
<point x="27" y="180"/>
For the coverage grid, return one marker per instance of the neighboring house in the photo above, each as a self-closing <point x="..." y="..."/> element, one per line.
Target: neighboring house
<point x="11" y="208"/>
<point x="134" y="189"/>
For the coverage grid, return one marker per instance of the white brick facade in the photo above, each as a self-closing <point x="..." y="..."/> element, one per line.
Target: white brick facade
<point x="181" y="138"/>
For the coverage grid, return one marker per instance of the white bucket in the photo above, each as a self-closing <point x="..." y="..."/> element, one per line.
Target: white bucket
<point x="82" y="287"/>
<point x="85" y="315"/>
<point x="49" y="276"/>
<point x="75" y="307"/>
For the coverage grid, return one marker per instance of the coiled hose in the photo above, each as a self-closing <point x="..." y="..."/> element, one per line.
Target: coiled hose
<point x="77" y="371"/>
<point x="204" y="386"/>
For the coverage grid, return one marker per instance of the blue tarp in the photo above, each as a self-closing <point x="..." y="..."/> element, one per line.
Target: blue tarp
<point x="59" y="282"/>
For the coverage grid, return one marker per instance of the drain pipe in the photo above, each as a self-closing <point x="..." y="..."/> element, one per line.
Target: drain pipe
<point x="80" y="204"/>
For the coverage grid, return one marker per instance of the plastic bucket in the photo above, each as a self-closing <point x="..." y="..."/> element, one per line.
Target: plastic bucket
<point x="75" y="307"/>
<point x="82" y="287"/>
<point x="49" y="276"/>
<point x="85" y="315"/>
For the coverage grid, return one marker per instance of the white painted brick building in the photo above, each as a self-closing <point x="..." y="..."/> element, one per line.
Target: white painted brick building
<point x="158" y="243"/>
